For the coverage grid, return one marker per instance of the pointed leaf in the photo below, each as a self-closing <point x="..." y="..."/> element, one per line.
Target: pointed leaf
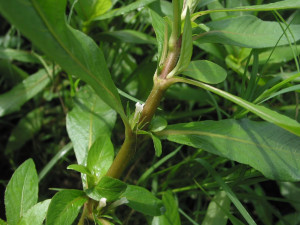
<point x="267" y="148"/>
<point x="248" y="31"/>
<point x="171" y="216"/>
<point x="100" y="158"/>
<point x="109" y="188"/>
<point x="18" y="55"/>
<point x="65" y="206"/>
<point x="79" y="168"/>
<point x="186" y="47"/>
<point x="26" y="128"/>
<point x="36" y="214"/>
<point x="267" y="114"/>
<point x="21" y="192"/>
<point x="12" y="100"/>
<point x="157" y="145"/>
<point x="205" y="71"/>
<point x="89" y="119"/>
<point x="72" y="50"/>
<point x="142" y="200"/>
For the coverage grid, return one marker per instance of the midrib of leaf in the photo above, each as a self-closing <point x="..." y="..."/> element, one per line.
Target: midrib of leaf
<point x="69" y="203"/>
<point x="91" y="125"/>
<point x="202" y="133"/>
<point x="48" y="25"/>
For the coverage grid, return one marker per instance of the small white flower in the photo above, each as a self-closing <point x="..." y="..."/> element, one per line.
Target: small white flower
<point x="102" y="203"/>
<point x="139" y="107"/>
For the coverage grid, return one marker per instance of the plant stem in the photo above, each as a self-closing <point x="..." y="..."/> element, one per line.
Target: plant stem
<point x="124" y="155"/>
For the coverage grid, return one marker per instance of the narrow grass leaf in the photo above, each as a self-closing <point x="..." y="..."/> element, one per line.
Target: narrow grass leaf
<point x="12" y="100"/>
<point x="267" y="114"/>
<point x="21" y="192"/>
<point x="123" y="10"/>
<point x="264" y="146"/>
<point x="36" y="214"/>
<point x="228" y="191"/>
<point x="65" y="206"/>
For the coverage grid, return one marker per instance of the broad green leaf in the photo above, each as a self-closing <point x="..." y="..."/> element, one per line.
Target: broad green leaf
<point x="100" y="158"/>
<point x="249" y="32"/>
<point x="158" y="123"/>
<point x="12" y="74"/>
<point x="36" y="214"/>
<point x="65" y="206"/>
<point x="231" y="195"/>
<point x="26" y="128"/>
<point x="267" y="148"/>
<point x="109" y="188"/>
<point x="12" y="100"/>
<point x="89" y="119"/>
<point x="21" y="192"/>
<point x="43" y="21"/>
<point x="2" y="222"/>
<point x="124" y="10"/>
<point x="18" y="55"/>
<point x="205" y="71"/>
<point x="171" y="216"/>
<point x="186" y="47"/>
<point x="89" y="9"/>
<point x="128" y="36"/>
<point x="286" y="4"/>
<point x="215" y="211"/>
<point x="267" y="114"/>
<point x="79" y="168"/>
<point x="142" y="200"/>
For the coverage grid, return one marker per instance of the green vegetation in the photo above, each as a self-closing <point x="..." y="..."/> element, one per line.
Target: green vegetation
<point x="150" y="112"/>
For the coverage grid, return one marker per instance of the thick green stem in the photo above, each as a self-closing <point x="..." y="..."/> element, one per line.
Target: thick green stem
<point x="124" y="155"/>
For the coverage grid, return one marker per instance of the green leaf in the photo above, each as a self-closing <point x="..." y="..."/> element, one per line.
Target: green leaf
<point x="12" y="100"/>
<point x="158" y="24"/>
<point x="158" y="123"/>
<point x="286" y="4"/>
<point x="215" y="211"/>
<point x="142" y="200"/>
<point x="21" y="192"/>
<point x="26" y="128"/>
<point x="79" y="168"/>
<point x="205" y="71"/>
<point x="186" y="47"/>
<point x="89" y="9"/>
<point x="89" y="119"/>
<point x="109" y="188"/>
<point x="65" y="206"/>
<point x="100" y="158"/>
<point x="267" y="148"/>
<point x="18" y="55"/>
<point x="2" y="222"/>
<point x="291" y="192"/>
<point x="124" y="10"/>
<point x="157" y="145"/>
<point x="267" y="114"/>
<point x="128" y="36"/>
<point x="36" y="214"/>
<point x="171" y="216"/>
<point x="72" y="50"/>
<point x="249" y="32"/>
<point x="231" y="195"/>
